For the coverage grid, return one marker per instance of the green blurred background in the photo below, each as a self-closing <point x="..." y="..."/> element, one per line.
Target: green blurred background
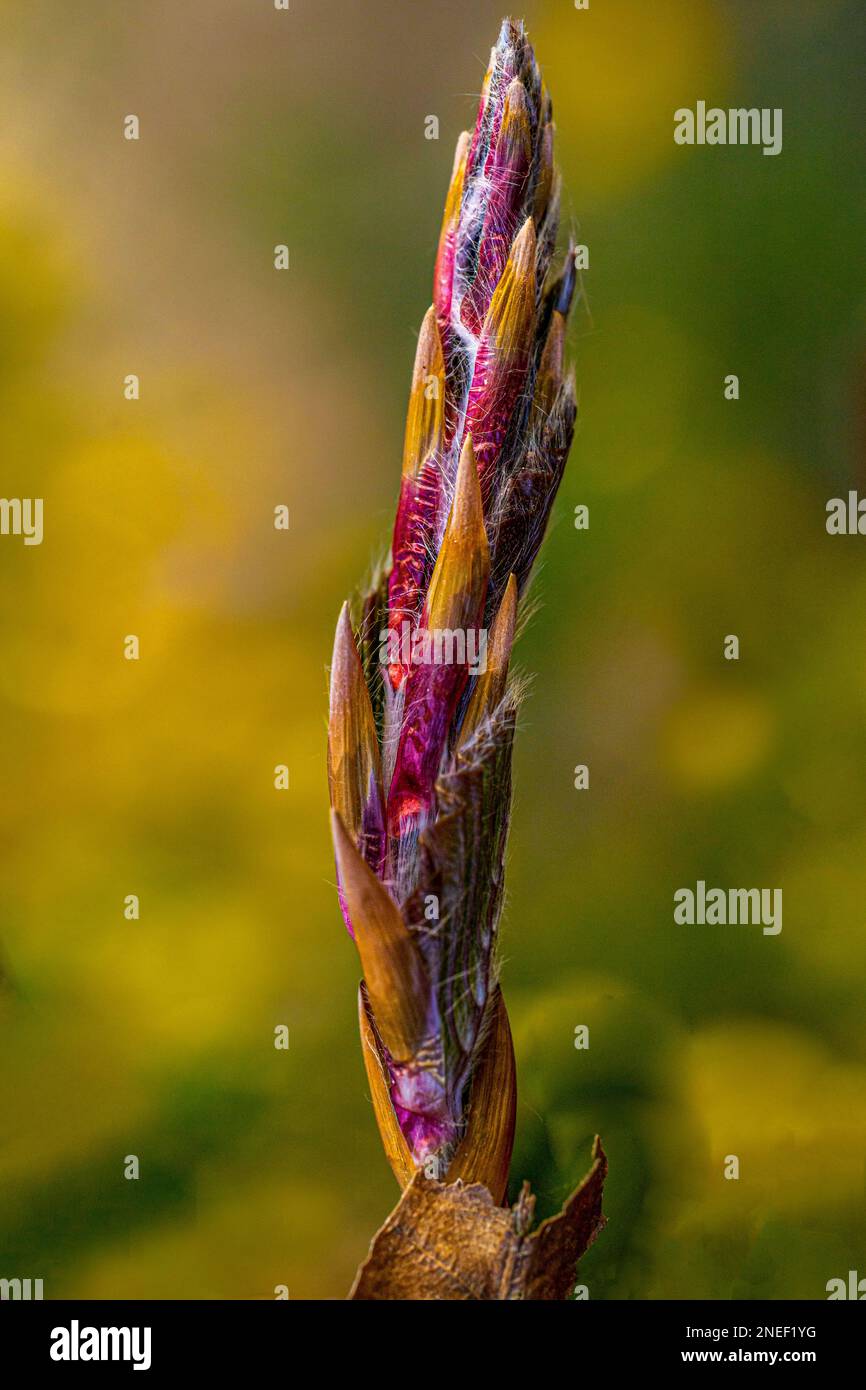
<point x="262" y="1167"/>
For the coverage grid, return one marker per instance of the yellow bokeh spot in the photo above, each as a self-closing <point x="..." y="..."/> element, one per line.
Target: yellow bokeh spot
<point x="794" y="1116"/>
<point x="618" y="73"/>
<point x="717" y="737"/>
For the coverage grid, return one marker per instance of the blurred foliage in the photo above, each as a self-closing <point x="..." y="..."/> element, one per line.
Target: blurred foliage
<point x="155" y="1037"/>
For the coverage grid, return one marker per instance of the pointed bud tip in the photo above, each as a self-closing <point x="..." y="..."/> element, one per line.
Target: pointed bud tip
<point x="344" y="621"/>
<point x="514" y="144"/>
<point x="567" y="282"/>
<point x="484" y="1153"/>
<point x="515" y="97"/>
<point x="354" y="775"/>
<point x="523" y="251"/>
<point x="424" y="418"/>
<point x="467" y="507"/>
<point x="490" y="684"/>
<point x="394" y="971"/>
<point x="429" y="360"/>
<point x="459" y="580"/>
<point x="550" y="370"/>
<point x="512" y="307"/>
<point x="502" y="630"/>
<point x="464" y="140"/>
<point x="511" y="35"/>
<point x="345" y="660"/>
<point x="509" y="599"/>
<point x="455" y="183"/>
